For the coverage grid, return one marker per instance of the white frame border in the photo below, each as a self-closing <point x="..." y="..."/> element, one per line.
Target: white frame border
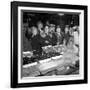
<point x="53" y="78"/>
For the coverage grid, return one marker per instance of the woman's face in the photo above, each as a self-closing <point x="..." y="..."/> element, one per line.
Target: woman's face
<point x="66" y="29"/>
<point x="52" y="29"/>
<point x="34" y="31"/>
<point x="40" y="25"/>
<point x="29" y="30"/>
<point x="46" y="29"/>
<point x="58" y="30"/>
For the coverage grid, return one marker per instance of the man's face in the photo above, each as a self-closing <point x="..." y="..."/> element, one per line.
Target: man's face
<point x="46" y="29"/>
<point x="40" y="25"/>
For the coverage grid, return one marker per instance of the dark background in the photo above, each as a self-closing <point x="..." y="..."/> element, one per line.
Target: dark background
<point x="56" y="18"/>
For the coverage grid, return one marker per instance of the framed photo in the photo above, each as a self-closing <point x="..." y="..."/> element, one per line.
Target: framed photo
<point x="48" y="44"/>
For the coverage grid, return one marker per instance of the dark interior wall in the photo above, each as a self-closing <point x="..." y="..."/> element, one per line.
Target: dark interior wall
<point x="33" y="18"/>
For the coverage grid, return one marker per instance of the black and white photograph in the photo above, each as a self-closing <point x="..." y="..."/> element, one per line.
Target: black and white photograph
<point x="50" y="44"/>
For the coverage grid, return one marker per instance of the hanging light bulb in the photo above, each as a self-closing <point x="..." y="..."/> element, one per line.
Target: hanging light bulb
<point x="60" y="14"/>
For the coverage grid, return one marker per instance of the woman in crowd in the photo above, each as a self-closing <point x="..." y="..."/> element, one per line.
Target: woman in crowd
<point x="76" y="35"/>
<point x="26" y="39"/>
<point x="52" y="34"/>
<point x="66" y="35"/>
<point x="73" y="42"/>
<point x="35" y="40"/>
<point x="40" y="27"/>
<point x="45" y="38"/>
<point x="76" y="39"/>
<point x="59" y="35"/>
<point x="28" y="33"/>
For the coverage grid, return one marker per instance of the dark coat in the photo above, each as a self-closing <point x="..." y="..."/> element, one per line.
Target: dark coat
<point x="50" y="40"/>
<point x="60" y="38"/>
<point x="35" y="42"/>
<point x="45" y="39"/>
<point x="53" y="39"/>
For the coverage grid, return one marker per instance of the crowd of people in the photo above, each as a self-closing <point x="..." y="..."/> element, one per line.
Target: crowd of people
<point x="50" y="34"/>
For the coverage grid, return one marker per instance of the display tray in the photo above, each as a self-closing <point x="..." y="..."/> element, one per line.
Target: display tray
<point x="47" y="65"/>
